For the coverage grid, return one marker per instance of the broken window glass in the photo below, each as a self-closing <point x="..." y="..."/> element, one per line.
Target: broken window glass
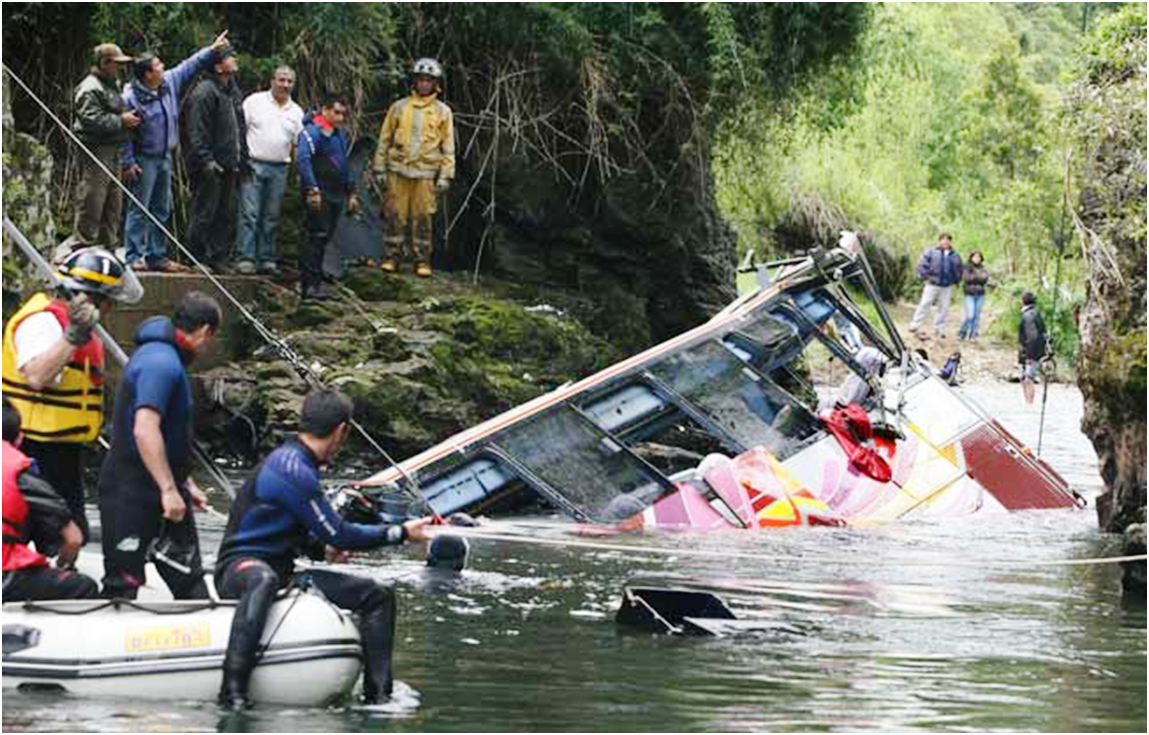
<point x="588" y="468"/>
<point x="736" y="400"/>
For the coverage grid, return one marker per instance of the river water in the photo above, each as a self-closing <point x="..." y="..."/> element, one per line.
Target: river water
<point x="906" y="627"/>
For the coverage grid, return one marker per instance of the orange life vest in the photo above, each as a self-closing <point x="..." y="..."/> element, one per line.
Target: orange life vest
<point x="17" y="553"/>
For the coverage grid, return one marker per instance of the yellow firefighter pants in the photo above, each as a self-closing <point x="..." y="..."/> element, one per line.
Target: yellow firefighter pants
<point x="409" y="201"/>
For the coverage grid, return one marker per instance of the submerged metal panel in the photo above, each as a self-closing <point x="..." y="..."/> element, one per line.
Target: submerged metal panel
<point x="465" y="485"/>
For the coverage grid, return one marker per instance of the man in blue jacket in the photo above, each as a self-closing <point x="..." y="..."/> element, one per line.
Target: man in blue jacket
<point x="282" y="512"/>
<point x="940" y="267"/>
<point x="328" y="185"/>
<point x="145" y="483"/>
<point x="154" y="96"/>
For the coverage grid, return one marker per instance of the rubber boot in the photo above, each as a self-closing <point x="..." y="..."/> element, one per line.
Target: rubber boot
<point x="243" y="644"/>
<point x="377" y="634"/>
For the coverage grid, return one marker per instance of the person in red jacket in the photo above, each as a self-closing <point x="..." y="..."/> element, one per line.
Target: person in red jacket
<point x="33" y="512"/>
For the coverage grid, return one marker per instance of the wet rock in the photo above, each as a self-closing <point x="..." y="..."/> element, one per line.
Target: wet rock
<point x="28" y="191"/>
<point x="1107" y="108"/>
<point x="447" y="357"/>
<point x="652" y="256"/>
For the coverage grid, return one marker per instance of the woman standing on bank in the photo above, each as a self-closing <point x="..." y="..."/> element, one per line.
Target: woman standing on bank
<point x="975" y="279"/>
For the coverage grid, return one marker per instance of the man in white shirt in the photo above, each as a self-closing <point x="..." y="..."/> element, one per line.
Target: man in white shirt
<point x="274" y="121"/>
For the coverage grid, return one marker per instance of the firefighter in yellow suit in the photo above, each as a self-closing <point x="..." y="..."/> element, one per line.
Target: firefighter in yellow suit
<point x="415" y="160"/>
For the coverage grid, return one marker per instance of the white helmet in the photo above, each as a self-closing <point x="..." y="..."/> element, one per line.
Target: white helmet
<point x="97" y="271"/>
<point x="428" y="67"/>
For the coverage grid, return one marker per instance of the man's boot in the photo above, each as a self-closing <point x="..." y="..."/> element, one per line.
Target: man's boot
<point x="377" y="633"/>
<point x="243" y="644"/>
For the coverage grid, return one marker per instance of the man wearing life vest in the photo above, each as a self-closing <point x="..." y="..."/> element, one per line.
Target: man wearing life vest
<point x="53" y="367"/>
<point x="34" y="512"/>
<point x="415" y="161"/>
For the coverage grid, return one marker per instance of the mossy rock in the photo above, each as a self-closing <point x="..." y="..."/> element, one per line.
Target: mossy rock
<point x="311" y="314"/>
<point x="455" y="355"/>
<point x="333" y="347"/>
<point x="372" y="284"/>
<point x="389" y="347"/>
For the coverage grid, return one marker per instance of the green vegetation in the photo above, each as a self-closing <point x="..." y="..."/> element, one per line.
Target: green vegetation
<point x="950" y="118"/>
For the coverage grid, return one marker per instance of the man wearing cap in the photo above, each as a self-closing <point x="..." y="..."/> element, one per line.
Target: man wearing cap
<point x="154" y="95"/>
<point x="103" y="124"/>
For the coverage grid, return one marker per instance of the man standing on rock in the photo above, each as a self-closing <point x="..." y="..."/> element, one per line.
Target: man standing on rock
<point x="1032" y="344"/>
<point x="274" y="122"/>
<point x="217" y="149"/>
<point x="415" y="160"/>
<point x="940" y="267"/>
<point x="328" y="185"/>
<point x="103" y="124"/>
<point x="154" y="95"/>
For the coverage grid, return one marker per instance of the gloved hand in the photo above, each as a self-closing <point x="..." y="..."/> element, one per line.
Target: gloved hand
<point x="442" y="185"/>
<point x="353" y="205"/>
<point x="83" y="316"/>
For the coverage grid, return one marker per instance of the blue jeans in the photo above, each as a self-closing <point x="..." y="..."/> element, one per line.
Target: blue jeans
<point x="261" y="198"/>
<point x="969" y="327"/>
<point x="153" y="187"/>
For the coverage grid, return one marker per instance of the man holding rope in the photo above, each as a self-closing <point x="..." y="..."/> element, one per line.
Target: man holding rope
<point x="281" y="511"/>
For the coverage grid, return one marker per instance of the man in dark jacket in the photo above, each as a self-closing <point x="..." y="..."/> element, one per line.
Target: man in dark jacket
<point x="328" y="184"/>
<point x="940" y="268"/>
<point x="1032" y="345"/>
<point x="216" y="152"/>
<point x="145" y="482"/>
<point x="282" y="512"/>
<point x="103" y="124"/>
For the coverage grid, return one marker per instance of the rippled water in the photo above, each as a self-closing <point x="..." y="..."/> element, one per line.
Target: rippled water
<point x="907" y="627"/>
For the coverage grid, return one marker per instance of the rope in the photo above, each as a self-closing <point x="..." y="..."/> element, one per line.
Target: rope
<point x="263" y="330"/>
<point x="190" y="606"/>
<point x="110" y="343"/>
<point x="1056" y="293"/>
<point x="789" y="559"/>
